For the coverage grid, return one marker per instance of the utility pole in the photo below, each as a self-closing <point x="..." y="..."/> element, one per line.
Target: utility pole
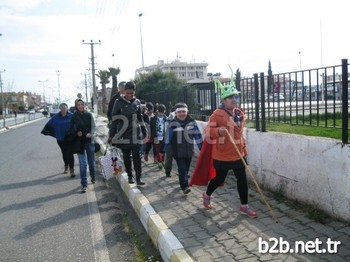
<point x="2" y="101"/>
<point x="92" y="43"/>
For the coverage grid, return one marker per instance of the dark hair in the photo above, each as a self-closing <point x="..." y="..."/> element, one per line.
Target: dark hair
<point x="130" y="85"/>
<point x="121" y="84"/>
<point x="149" y="106"/>
<point x="161" y="108"/>
<point x="78" y="100"/>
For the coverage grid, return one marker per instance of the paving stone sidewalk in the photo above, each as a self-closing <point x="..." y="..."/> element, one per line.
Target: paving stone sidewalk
<point x="223" y="234"/>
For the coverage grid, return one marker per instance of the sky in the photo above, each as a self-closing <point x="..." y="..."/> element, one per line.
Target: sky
<point x="39" y="37"/>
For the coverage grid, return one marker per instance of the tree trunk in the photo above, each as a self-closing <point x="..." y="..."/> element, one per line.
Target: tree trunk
<point x="104" y="99"/>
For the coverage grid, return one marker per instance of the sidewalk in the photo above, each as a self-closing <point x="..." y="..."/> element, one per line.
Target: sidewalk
<point x="185" y="231"/>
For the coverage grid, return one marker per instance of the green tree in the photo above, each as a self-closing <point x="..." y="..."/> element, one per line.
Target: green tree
<point x="114" y="72"/>
<point x="157" y="81"/>
<point x="104" y="76"/>
<point x="238" y="79"/>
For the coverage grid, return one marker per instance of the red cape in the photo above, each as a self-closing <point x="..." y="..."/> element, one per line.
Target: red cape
<point x="204" y="170"/>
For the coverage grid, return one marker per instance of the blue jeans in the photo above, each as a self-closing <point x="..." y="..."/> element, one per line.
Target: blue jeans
<point x="89" y="153"/>
<point x="183" y="166"/>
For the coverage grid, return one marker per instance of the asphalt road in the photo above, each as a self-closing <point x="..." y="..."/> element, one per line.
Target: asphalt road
<point x="43" y="215"/>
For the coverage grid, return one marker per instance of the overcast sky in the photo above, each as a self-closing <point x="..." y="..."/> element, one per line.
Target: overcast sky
<point x="40" y="37"/>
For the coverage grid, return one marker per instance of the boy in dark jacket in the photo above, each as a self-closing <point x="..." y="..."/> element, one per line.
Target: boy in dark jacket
<point x="181" y="132"/>
<point x="158" y="133"/>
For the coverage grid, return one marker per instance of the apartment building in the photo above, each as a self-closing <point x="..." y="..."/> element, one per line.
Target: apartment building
<point x="182" y="70"/>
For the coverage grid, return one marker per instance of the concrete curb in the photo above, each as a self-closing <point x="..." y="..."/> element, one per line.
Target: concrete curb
<point x="162" y="237"/>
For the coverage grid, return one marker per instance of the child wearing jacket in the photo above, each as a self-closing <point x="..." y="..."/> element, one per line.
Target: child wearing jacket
<point x="158" y="133"/>
<point x="181" y="132"/>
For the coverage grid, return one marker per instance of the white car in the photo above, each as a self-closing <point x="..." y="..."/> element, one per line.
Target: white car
<point x="31" y="111"/>
<point x="54" y="110"/>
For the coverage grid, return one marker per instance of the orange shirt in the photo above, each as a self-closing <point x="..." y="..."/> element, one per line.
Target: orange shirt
<point x="223" y="149"/>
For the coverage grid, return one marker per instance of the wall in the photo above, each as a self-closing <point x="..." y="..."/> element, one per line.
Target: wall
<point x="309" y="169"/>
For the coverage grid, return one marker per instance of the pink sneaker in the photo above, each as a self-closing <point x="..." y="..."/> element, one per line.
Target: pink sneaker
<point x="246" y="210"/>
<point x="206" y="201"/>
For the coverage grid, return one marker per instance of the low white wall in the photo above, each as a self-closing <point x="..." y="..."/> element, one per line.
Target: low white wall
<point x="308" y="169"/>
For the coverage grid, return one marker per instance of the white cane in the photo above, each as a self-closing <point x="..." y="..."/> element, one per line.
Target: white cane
<point x="252" y="176"/>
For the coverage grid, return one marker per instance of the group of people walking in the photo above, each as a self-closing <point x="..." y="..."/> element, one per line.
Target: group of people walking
<point x="136" y="129"/>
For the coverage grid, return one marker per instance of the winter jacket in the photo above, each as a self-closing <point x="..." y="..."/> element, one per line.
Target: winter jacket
<point x="127" y="120"/>
<point x="59" y="125"/>
<point x="111" y="104"/>
<point x="155" y="127"/>
<point x="180" y="135"/>
<point x="223" y="149"/>
<point x="83" y="122"/>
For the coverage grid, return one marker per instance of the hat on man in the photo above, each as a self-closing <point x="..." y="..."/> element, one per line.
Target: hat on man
<point x="63" y="105"/>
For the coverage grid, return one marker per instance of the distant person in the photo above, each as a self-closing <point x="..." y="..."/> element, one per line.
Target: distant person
<point x="158" y="133"/>
<point x="120" y="91"/>
<point x="181" y="134"/>
<point x="147" y="117"/>
<point x="128" y="130"/>
<point x="57" y="127"/>
<point x="168" y="161"/>
<point x="83" y="124"/>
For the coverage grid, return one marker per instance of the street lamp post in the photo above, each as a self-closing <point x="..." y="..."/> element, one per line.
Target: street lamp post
<point x="2" y="100"/>
<point x="43" y="82"/>
<point x="58" y="85"/>
<point x="300" y="60"/>
<point x="143" y="65"/>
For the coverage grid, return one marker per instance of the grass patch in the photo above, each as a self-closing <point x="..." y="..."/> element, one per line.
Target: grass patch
<point x="312" y="212"/>
<point x="140" y="244"/>
<point x="322" y="125"/>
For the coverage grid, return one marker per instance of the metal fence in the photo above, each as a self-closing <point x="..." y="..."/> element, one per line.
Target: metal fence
<point x="315" y="97"/>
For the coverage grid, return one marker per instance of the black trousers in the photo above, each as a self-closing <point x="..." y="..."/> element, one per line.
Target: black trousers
<point x="67" y="154"/>
<point x="135" y="152"/>
<point x="222" y="168"/>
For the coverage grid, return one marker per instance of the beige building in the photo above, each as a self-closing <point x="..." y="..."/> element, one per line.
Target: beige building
<point x="182" y="70"/>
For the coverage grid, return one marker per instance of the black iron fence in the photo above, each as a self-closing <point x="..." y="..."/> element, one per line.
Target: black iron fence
<point x="315" y="97"/>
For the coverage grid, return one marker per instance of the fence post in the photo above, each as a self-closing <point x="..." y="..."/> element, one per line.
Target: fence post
<point x="262" y="99"/>
<point x="184" y="90"/>
<point x="345" y="97"/>
<point x="257" y="111"/>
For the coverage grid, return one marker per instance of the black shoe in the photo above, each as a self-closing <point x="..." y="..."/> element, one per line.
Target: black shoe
<point x="93" y="180"/>
<point x="131" y="180"/>
<point x="167" y="174"/>
<point x="186" y="190"/>
<point x="140" y="182"/>
<point x="83" y="189"/>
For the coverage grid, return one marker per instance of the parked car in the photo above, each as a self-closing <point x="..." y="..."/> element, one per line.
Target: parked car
<point x="54" y="110"/>
<point x="277" y="97"/>
<point x="31" y="111"/>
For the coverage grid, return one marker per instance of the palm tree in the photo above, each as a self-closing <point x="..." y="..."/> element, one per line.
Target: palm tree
<point x="104" y="76"/>
<point x="114" y="72"/>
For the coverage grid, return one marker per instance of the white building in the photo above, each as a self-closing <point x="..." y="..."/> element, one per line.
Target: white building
<point x="182" y="70"/>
